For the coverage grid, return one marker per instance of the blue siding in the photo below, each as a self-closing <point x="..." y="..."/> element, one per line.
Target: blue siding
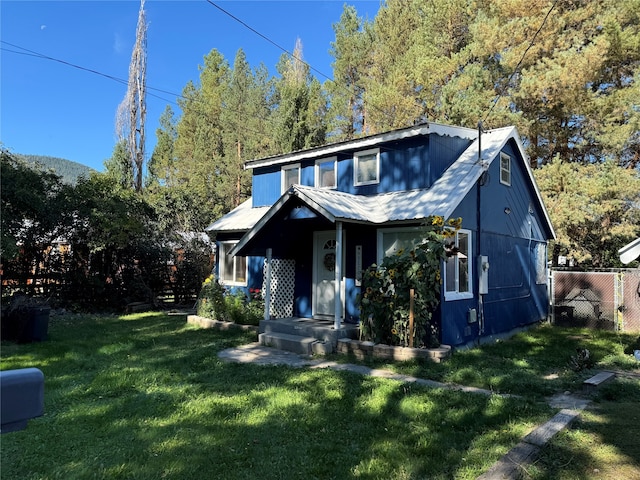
<point x="508" y="239"/>
<point x="496" y="197"/>
<point x="406" y="165"/>
<point x="265" y="186"/>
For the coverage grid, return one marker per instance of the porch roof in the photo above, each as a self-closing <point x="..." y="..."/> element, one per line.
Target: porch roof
<point x="409" y="206"/>
<point x="240" y="219"/>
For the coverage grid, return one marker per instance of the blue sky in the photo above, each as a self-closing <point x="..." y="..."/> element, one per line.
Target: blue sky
<point x="51" y="108"/>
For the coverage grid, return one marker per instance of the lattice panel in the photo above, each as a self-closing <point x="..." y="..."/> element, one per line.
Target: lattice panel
<point x="282" y="286"/>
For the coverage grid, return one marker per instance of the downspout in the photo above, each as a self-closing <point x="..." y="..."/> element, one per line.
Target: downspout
<point x="338" y="278"/>
<point x="478" y="235"/>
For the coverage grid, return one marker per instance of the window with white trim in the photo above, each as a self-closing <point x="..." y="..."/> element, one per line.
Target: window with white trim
<point x="366" y="167"/>
<point x="290" y="175"/>
<point x="457" y="268"/>
<point x="326" y="173"/>
<point x="505" y="169"/>
<point x="233" y="270"/>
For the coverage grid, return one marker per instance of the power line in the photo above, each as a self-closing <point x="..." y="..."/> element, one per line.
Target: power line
<point x="26" y="51"/>
<point x="264" y="37"/>
<point x="31" y="53"/>
<point x="495" y="102"/>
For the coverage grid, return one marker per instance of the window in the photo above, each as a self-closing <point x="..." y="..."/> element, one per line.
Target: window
<point x="505" y="169"/>
<point x="367" y="167"/>
<point x="393" y="239"/>
<point x="326" y="173"/>
<point x="541" y="263"/>
<point x="233" y="270"/>
<point x="457" y="271"/>
<point x="290" y="176"/>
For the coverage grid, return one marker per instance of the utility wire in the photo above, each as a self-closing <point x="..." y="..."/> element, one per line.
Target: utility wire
<point x="31" y="53"/>
<point x="264" y="37"/>
<point x="533" y="40"/>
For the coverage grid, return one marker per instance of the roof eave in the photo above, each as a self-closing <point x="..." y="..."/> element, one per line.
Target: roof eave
<point x="363" y="143"/>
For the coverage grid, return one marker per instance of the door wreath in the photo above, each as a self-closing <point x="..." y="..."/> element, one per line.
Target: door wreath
<point x="330" y="261"/>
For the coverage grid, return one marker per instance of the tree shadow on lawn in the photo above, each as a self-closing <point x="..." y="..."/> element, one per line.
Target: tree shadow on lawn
<point x="602" y="443"/>
<point x="149" y="402"/>
<point x="533" y="364"/>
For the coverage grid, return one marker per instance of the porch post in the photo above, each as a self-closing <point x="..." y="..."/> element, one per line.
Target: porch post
<point x="267" y="285"/>
<point x="338" y="282"/>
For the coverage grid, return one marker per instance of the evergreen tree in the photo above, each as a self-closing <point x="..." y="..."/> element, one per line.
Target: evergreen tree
<point x="300" y="107"/>
<point x="595" y="209"/>
<point x="163" y="160"/>
<point x="244" y="118"/>
<point x="350" y="51"/>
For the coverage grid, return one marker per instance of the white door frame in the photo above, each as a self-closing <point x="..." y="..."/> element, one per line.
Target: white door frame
<point x="314" y="283"/>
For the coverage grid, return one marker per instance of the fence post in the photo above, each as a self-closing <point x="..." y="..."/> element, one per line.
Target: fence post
<point x="618" y="300"/>
<point x="411" y="303"/>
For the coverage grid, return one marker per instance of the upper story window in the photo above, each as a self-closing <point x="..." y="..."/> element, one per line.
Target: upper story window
<point x="367" y="167"/>
<point x="290" y="176"/>
<point x="233" y="270"/>
<point x="326" y="173"/>
<point x="457" y="270"/>
<point x="505" y="169"/>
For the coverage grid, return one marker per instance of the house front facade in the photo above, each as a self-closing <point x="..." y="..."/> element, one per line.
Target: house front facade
<point x="318" y="217"/>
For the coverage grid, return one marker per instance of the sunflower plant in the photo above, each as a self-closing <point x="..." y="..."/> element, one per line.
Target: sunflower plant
<point x="385" y="294"/>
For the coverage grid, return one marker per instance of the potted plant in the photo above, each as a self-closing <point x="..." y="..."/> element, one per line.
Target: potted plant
<point x="25" y="319"/>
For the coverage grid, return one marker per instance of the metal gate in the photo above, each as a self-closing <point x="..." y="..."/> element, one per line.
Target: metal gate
<point x="606" y="300"/>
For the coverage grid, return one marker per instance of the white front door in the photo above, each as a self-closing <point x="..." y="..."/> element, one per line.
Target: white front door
<point x="324" y="274"/>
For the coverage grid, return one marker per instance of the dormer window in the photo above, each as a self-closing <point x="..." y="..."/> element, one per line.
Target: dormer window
<point x="290" y="176"/>
<point x="326" y="173"/>
<point x="505" y="169"/>
<point x="366" y="167"/>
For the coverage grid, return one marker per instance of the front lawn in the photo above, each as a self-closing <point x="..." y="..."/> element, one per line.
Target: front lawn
<point x="145" y="396"/>
<point x="534" y="363"/>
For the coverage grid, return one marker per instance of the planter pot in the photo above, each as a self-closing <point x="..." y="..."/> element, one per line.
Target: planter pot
<point x="37" y="324"/>
<point x="26" y="324"/>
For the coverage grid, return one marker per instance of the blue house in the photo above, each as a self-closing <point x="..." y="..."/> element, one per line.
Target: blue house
<point x="318" y="217"/>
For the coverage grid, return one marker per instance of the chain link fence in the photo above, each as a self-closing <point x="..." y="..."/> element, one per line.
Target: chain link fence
<point x="607" y="300"/>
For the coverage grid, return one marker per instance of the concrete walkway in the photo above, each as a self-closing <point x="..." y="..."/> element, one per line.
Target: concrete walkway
<point x="510" y="466"/>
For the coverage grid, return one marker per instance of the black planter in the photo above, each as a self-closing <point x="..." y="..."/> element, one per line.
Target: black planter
<point x="26" y="324"/>
<point x="38" y="324"/>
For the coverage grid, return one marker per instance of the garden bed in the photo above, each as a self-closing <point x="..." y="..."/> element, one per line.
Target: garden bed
<point x="362" y="350"/>
<point x="204" y="322"/>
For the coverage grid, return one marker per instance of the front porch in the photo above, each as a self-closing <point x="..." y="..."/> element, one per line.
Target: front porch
<point x="306" y="336"/>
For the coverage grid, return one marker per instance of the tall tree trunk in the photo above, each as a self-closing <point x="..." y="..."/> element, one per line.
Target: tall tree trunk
<point x="132" y="112"/>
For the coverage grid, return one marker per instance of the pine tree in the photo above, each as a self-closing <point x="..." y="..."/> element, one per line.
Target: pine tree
<point x="350" y="51"/>
<point x="299" y="115"/>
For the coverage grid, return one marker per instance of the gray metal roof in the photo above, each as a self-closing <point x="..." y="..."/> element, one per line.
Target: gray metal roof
<point x="240" y="219"/>
<point x="365" y="142"/>
<point x="441" y="198"/>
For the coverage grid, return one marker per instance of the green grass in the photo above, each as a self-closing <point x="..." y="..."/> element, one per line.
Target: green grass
<point x="602" y="444"/>
<point x="533" y="363"/>
<point x="146" y="397"/>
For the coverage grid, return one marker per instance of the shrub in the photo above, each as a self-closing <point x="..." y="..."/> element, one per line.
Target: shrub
<point x="211" y="303"/>
<point x="215" y="302"/>
<point x="385" y="297"/>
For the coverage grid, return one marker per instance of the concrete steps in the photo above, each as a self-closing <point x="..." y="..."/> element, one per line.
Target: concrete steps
<point x="304" y="336"/>
<point x="295" y="343"/>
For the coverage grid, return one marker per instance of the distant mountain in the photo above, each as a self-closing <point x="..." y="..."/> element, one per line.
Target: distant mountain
<point x="68" y="170"/>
